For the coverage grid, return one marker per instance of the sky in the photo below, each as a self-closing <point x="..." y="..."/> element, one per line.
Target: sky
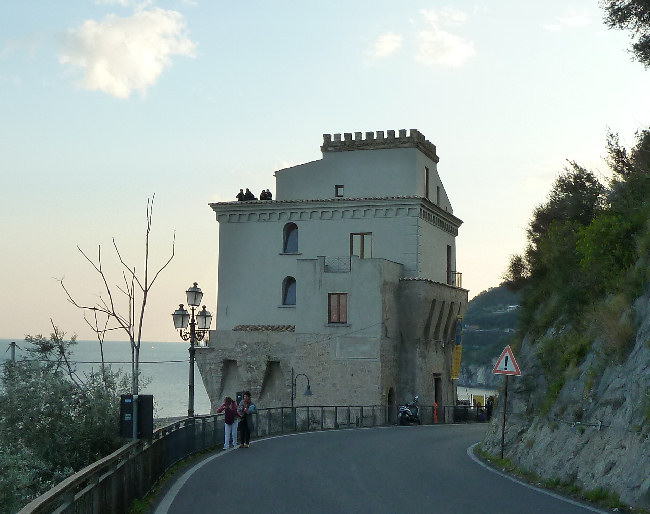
<point x="106" y="103"/>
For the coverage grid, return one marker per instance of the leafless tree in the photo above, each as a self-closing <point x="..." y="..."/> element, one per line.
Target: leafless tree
<point x="136" y="291"/>
<point x="101" y="334"/>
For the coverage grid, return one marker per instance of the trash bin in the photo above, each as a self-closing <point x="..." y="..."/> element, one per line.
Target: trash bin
<point x="145" y="415"/>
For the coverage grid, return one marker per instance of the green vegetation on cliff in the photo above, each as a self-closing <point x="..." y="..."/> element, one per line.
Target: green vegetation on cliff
<point x="587" y="260"/>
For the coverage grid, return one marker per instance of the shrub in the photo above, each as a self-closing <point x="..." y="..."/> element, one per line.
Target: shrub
<point x="560" y="354"/>
<point x="607" y="249"/>
<point x="52" y="423"/>
<point x="613" y="323"/>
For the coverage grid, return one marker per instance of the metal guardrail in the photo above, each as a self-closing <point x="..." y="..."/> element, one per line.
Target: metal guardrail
<point x="112" y="484"/>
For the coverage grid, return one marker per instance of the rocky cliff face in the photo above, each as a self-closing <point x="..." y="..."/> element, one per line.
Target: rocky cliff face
<point x="479" y="376"/>
<point x="597" y="433"/>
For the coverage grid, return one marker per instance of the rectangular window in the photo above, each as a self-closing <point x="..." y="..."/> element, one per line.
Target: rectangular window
<point x="426" y="182"/>
<point x="361" y="245"/>
<point x="338" y="190"/>
<point x="437" y="195"/>
<point x="338" y="308"/>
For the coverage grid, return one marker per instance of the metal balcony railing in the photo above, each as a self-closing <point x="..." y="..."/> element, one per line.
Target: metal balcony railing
<point x="455" y="278"/>
<point x="337" y="264"/>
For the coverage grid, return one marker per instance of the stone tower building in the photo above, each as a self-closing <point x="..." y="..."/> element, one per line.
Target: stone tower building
<point x="348" y="276"/>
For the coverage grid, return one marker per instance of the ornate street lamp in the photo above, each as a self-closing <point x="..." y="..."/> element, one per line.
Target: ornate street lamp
<point x="182" y="318"/>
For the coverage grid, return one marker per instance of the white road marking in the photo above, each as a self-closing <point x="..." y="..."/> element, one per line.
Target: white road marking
<point x="470" y="453"/>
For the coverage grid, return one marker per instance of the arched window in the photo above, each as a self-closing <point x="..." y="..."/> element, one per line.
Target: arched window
<point x="289" y="291"/>
<point x="290" y="242"/>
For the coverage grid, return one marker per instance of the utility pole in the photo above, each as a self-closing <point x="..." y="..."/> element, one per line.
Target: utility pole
<point x="12" y="345"/>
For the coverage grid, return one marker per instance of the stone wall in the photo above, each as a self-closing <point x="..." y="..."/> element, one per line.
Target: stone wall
<point x="427" y="312"/>
<point x="261" y="361"/>
<point x="415" y="344"/>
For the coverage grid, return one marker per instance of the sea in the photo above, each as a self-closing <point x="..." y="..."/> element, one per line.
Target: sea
<point x="165" y="365"/>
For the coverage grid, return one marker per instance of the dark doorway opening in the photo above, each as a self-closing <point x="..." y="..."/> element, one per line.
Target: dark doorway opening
<point x="392" y="406"/>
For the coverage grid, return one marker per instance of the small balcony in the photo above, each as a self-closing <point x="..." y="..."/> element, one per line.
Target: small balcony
<point x="455" y="278"/>
<point x="337" y="264"/>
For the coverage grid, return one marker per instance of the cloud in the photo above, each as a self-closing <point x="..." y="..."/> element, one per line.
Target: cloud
<point x="138" y="4"/>
<point x="123" y="3"/>
<point x="446" y="15"/>
<point x="437" y="46"/>
<point x="119" y="55"/>
<point x="571" y="19"/>
<point x="386" y="45"/>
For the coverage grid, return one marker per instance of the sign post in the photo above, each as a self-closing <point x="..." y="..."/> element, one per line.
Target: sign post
<point x="506" y="365"/>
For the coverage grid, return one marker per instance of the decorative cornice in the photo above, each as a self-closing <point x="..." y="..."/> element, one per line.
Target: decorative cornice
<point x="337" y="208"/>
<point x="264" y="328"/>
<point x="379" y="141"/>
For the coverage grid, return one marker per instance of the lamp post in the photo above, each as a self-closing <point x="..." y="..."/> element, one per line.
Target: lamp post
<point x="294" y="378"/>
<point x="182" y="319"/>
<point x="307" y="392"/>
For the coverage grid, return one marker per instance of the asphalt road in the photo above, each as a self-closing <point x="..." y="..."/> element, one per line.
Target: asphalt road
<point x="392" y="469"/>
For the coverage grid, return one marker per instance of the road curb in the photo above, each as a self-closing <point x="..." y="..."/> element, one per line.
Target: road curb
<point x="472" y="455"/>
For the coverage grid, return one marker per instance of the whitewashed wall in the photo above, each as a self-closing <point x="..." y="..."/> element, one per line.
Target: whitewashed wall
<point x="365" y="174"/>
<point x="252" y="266"/>
<point x="383" y="190"/>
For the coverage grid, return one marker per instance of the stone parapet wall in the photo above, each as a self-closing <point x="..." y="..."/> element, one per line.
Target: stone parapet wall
<point x="378" y="141"/>
<point x="341" y="370"/>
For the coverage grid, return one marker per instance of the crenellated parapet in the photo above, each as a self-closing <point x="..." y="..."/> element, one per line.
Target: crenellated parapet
<point x="379" y="140"/>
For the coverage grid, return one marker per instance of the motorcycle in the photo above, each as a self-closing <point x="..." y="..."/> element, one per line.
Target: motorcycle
<point x="408" y="413"/>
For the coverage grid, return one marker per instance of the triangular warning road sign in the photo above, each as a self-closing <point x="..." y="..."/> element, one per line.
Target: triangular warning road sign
<point x="506" y="365"/>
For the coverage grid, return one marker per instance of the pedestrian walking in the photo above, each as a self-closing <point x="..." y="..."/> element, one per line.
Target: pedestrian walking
<point x="490" y="406"/>
<point x="231" y="417"/>
<point x="246" y="410"/>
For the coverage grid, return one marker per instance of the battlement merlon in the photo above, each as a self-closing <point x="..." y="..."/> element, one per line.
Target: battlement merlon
<point x="378" y="141"/>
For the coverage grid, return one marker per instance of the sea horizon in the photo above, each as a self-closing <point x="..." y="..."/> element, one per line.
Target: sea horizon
<point x="164" y="363"/>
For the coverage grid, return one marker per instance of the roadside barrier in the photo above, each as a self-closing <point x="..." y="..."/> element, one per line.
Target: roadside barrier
<point x="113" y="483"/>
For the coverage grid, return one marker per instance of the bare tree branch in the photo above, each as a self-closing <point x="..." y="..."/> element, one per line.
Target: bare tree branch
<point x="107" y="306"/>
<point x="58" y="338"/>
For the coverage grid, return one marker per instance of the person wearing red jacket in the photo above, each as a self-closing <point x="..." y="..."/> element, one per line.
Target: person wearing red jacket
<point x="231" y="418"/>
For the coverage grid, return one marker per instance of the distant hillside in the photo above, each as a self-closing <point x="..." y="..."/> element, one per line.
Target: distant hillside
<point x="495" y="308"/>
<point x="489" y="323"/>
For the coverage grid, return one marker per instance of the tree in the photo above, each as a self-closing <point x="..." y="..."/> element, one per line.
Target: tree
<point x="53" y="422"/>
<point x="549" y="269"/>
<point x="517" y="273"/>
<point x="632" y="15"/>
<point x="606" y="249"/>
<point x="577" y="195"/>
<point x="136" y="291"/>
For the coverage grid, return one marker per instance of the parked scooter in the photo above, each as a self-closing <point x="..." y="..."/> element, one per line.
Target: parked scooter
<point x="408" y="413"/>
